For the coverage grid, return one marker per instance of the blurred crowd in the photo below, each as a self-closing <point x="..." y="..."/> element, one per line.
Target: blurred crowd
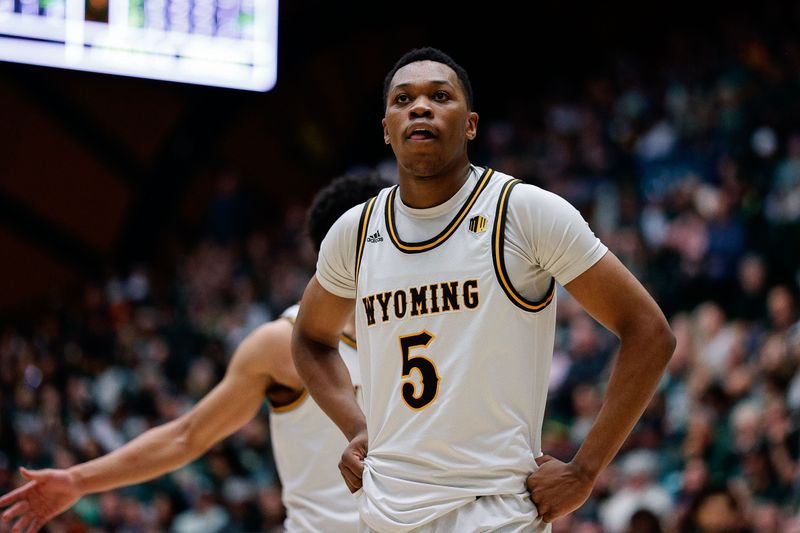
<point x="90" y="373"/>
<point x="689" y="171"/>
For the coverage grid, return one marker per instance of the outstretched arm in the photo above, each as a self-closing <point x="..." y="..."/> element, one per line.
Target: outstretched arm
<point x="315" y="342"/>
<point x="613" y="296"/>
<point x="228" y="407"/>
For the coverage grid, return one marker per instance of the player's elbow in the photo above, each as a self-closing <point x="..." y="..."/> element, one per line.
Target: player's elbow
<point x="662" y="341"/>
<point x="189" y="436"/>
<point x="306" y="350"/>
<point x="650" y="334"/>
<point x="299" y="347"/>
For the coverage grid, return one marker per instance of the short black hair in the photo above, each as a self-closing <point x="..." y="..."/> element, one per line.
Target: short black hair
<point x="333" y="200"/>
<point x="429" y="53"/>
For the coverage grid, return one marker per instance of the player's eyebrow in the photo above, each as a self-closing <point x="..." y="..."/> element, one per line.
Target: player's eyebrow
<point x="409" y="84"/>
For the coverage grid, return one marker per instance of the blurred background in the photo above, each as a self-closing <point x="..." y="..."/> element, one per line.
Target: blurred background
<point x="146" y="227"/>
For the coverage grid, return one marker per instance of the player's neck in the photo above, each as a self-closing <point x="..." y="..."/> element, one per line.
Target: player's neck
<point x="350" y="328"/>
<point x="422" y="192"/>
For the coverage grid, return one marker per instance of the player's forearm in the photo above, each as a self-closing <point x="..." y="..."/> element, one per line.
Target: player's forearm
<point x="642" y="357"/>
<point x="155" y="452"/>
<point x="325" y="375"/>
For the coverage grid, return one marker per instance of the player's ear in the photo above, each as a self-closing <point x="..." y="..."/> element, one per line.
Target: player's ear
<point x="385" y="131"/>
<point x="472" y="125"/>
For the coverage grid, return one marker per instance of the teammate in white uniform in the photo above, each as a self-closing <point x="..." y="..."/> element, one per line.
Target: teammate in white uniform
<point x="306" y="444"/>
<point x="453" y="274"/>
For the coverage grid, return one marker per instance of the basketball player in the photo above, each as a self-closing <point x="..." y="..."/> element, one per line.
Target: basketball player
<point x="453" y="273"/>
<point x="306" y="444"/>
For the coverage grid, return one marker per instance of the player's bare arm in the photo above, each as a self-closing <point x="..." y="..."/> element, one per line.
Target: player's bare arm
<point x="260" y="361"/>
<point x="315" y="342"/>
<point x="613" y="296"/>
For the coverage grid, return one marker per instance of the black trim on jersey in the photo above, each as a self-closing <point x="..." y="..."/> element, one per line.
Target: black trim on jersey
<point x="433" y="242"/>
<point x="291" y="406"/>
<point x="363" y="223"/>
<point x="498" y="259"/>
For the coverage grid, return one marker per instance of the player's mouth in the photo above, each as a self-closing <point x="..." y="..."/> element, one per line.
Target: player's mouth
<point x="420" y="133"/>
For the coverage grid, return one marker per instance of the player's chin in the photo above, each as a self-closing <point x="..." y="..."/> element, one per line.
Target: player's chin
<point x="411" y="147"/>
<point x="423" y="164"/>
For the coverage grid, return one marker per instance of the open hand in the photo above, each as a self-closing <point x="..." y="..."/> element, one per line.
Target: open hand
<point x="352" y="464"/>
<point x="48" y="493"/>
<point x="558" y="488"/>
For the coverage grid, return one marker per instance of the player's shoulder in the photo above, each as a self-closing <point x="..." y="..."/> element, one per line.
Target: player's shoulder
<point x="275" y="330"/>
<point x="530" y="197"/>
<point x="265" y="346"/>
<point x="350" y="219"/>
<point x="356" y="211"/>
<point x="346" y="226"/>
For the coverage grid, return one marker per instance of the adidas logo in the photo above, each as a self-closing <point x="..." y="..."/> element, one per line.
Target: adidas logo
<point x="375" y="237"/>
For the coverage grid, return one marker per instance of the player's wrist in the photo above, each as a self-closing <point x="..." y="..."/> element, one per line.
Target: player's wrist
<point x="586" y="470"/>
<point x="79" y="479"/>
<point x="357" y="430"/>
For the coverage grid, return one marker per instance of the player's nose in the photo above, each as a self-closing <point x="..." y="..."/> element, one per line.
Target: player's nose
<point x="420" y="108"/>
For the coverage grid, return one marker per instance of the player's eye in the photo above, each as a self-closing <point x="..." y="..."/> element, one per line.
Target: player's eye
<point x="441" y="96"/>
<point x="402" y="98"/>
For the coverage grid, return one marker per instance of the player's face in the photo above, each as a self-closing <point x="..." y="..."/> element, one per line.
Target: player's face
<point x="427" y="121"/>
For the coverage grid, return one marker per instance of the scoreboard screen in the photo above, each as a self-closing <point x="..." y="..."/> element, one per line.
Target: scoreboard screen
<point x="223" y="43"/>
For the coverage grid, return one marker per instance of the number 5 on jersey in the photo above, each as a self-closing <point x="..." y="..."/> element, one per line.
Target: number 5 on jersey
<point x="429" y="377"/>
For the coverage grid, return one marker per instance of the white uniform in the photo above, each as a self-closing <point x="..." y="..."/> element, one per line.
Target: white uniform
<point x="455" y="359"/>
<point x="307" y="447"/>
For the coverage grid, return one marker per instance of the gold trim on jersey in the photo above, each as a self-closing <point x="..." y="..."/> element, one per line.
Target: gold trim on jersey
<point x="294" y="404"/>
<point x="417" y="247"/>
<point x="348" y="340"/>
<point x="362" y="232"/>
<point x="498" y="259"/>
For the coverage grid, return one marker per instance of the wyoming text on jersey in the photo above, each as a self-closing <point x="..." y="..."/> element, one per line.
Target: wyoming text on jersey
<point x="432" y="298"/>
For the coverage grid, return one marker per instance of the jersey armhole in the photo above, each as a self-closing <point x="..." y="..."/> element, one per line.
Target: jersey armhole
<point x="363" y="223"/>
<point x="498" y="257"/>
<point x="291" y="406"/>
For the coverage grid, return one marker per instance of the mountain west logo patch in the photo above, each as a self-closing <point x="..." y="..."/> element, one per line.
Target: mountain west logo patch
<point x="477" y="224"/>
<point x="375" y="237"/>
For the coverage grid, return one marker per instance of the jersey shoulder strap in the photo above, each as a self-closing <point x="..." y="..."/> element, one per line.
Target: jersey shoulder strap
<point x="498" y="257"/>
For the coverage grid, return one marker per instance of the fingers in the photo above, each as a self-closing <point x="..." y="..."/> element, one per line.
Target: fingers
<point x="356" y="465"/>
<point x="14" y="495"/>
<point x="543" y="511"/>
<point x="551" y="516"/>
<point x="22" y="524"/>
<point x="352" y="481"/>
<point x="544" y="459"/>
<point x="35" y="526"/>
<point x="32" y="475"/>
<point x="15" y="510"/>
<point x="352" y="470"/>
<point x="353" y="461"/>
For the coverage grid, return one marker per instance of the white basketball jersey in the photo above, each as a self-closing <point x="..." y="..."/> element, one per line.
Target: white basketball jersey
<point x="307" y="447"/>
<point x="455" y="362"/>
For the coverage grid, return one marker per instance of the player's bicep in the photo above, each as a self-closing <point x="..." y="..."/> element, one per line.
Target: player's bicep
<point x="322" y="315"/>
<point x="236" y="399"/>
<point x="228" y="407"/>
<point x="552" y="233"/>
<point x="336" y="261"/>
<point x="615" y="298"/>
